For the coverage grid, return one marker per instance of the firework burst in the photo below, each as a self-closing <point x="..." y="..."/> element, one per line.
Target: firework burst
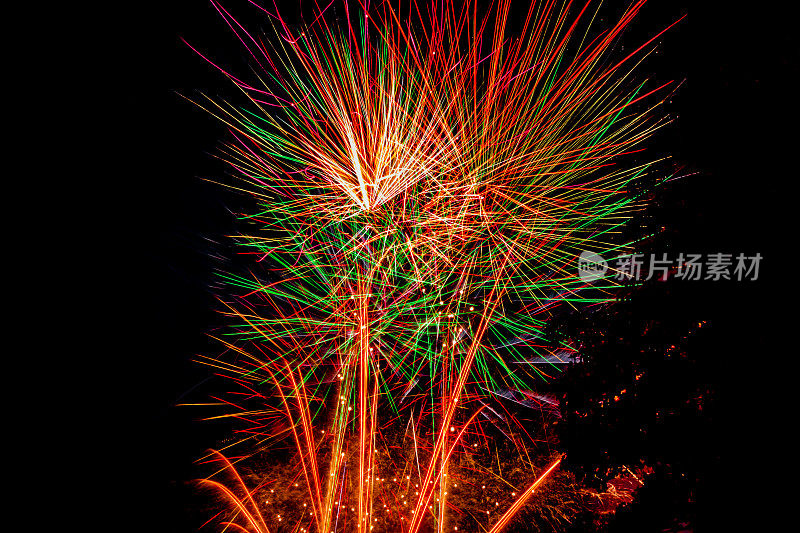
<point x="424" y="186"/>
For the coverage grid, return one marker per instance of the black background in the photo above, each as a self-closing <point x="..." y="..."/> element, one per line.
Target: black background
<point x="736" y="125"/>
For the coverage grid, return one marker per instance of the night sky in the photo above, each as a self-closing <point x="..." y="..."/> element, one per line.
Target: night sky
<point x="736" y="127"/>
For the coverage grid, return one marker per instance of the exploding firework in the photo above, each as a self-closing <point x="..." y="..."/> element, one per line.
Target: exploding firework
<point x="422" y="188"/>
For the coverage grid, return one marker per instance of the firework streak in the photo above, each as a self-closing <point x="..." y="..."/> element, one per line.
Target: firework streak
<point x="424" y="187"/>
